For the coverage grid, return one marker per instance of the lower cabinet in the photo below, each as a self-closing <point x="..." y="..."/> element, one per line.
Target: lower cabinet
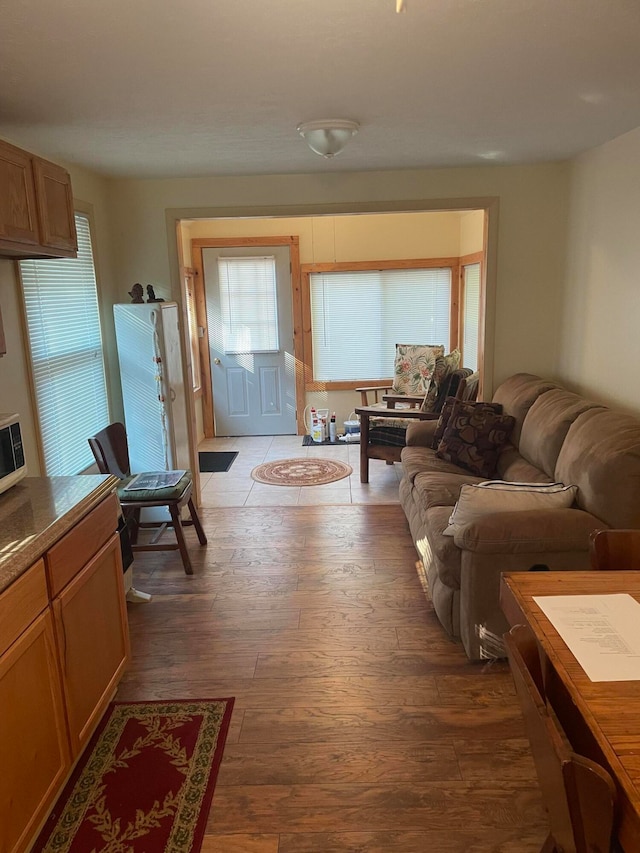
<point x="34" y="750"/>
<point x="91" y="629"/>
<point x="64" y="643"/>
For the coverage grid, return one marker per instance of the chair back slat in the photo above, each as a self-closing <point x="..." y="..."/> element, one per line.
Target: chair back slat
<point x="579" y="794"/>
<point x="110" y="450"/>
<point x="615" y="549"/>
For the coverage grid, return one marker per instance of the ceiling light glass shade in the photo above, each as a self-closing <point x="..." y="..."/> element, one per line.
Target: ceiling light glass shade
<point x="327" y="137"/>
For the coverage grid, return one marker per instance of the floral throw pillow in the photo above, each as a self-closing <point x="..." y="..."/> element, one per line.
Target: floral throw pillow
<point x="474" y="437"/>
<point x="414" y="367"/>
<point x="444" y="367"/>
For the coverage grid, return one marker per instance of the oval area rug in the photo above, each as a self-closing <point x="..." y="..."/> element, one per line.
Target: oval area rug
<point x="300" y="472"/>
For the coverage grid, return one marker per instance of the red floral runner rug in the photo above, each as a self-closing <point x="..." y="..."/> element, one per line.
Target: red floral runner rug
<point x="145" y="781"/>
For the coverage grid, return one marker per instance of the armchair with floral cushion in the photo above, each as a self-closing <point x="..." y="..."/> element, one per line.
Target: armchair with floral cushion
<point x="423" y="377"/>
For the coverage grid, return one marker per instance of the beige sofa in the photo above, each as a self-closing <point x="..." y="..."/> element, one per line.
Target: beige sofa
<point x="558" y="436"/>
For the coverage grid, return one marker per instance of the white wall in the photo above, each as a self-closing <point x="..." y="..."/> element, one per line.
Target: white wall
<point x="600" y="329"/>
<point x="529" y="263"/>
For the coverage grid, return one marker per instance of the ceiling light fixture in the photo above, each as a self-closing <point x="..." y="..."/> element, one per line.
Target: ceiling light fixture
<point x="401" y="6"/>
<point x="328" y="136"/>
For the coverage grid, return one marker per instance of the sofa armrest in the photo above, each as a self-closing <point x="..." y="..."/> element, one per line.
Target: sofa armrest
<point x="540" y="530"/>
<point x="420" y="433"/>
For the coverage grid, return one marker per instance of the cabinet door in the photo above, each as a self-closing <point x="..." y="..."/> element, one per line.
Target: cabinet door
<point x="34" y="751"/>
<point x="18" y="213"/>
<point x="93" y="640"/>
<point x="55" y="207"/>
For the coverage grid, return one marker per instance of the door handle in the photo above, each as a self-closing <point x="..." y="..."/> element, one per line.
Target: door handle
<point x="216" y="361"/>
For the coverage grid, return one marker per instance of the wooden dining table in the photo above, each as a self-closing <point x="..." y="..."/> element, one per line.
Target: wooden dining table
<point x="601" y="719"/>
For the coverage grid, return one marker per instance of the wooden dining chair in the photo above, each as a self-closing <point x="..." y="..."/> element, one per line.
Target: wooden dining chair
<point x="579" y="794"/>
<point x="111" y="452"/>
<point x="615" y="549"/>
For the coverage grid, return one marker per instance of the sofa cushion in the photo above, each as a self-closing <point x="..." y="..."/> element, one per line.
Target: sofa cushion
<point x="440" y="488"/>
<point x="486" y="498"/>
<point x="414" y="366"/>
<point x="517" y="394"/>
<point x="420" y="433"/>
<point x="546" y="425"/>
<point x="445" y="555"/>
<point x="474" y="437"/>
<point x="511" y="466"/>
<point x="415" y="460"/>
<point x="601" y="455"/>
<point x="534" y="532"/>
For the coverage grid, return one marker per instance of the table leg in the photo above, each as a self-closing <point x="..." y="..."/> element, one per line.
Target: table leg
<point x="364" y="446"/>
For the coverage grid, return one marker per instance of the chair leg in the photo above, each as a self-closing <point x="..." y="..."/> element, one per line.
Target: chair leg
<point x="134" y="515"/>
<point x="196" y="523"/>
<point x="182" y="545"/>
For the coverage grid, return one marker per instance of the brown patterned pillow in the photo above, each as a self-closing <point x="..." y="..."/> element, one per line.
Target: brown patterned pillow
<point x="475" y="436"/>
<point x="447" y="410"/>
<point x="443" y="420"/>
<point x="445" y="365"/>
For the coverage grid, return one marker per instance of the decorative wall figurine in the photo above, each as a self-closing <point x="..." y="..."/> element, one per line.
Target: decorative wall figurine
<point x="137" y="293"/>
<point x="152" y="295"/>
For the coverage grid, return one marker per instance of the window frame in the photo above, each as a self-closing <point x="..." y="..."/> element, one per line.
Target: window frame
<point x="310" y="383"/>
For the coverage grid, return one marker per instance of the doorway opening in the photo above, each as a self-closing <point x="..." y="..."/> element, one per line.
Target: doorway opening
<point x="453" y="239"/>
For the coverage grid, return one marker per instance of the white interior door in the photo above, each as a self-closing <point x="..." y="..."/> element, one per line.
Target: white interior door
<point x="250" y="319"/>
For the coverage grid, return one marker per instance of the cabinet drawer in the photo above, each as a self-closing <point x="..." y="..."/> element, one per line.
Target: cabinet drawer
<point x="21" y="603"/>
<point x="68" y="556"/>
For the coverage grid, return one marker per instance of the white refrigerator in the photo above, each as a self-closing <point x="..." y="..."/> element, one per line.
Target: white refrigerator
<point x="153" y="393"/>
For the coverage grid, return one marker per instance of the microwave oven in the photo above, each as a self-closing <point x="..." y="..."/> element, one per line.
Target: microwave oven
<point x="12" y="464"/>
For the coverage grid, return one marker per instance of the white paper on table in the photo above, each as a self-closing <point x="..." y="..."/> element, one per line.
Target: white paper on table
<point x="602" y="632"/>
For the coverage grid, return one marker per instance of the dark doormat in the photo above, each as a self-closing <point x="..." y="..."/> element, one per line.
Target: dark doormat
<point x="216" y="460"/>
<point x="307" y="441"/>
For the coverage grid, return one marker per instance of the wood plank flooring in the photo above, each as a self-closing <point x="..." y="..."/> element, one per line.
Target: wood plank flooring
<point x="359" y="727"/>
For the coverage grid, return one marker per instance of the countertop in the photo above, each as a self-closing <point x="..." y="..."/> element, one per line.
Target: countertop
<point x="38" y="511"/>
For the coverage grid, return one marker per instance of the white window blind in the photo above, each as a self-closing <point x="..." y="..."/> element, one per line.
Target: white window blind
<point x="248" y="304"/>
<point x="471" y="315"/>
<point x="63" y="323"/>
<point x="357" y="319"/>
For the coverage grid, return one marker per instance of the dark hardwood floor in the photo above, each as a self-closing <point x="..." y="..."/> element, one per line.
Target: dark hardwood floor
<point x="359" y="727"/>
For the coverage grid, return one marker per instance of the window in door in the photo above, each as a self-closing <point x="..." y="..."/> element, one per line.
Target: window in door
<point x="358" y="316"/>
<point x="67" y="360"/>
<point x="248" y="304"/>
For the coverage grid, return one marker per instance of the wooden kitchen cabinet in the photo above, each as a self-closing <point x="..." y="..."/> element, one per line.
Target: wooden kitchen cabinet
<point x="18" y="210"/>
<point x="34" y="747"/>
<point x="64" y="643"/>
<point x="91" y="628"/>
<point x="36" y="207"/>
<point x="55" y="208"/>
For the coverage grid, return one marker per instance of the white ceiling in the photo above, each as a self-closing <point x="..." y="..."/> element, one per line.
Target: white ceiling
<point x="153" y="88"/>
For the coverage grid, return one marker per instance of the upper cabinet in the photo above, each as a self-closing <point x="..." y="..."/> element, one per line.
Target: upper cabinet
<point x="36" y="207"/>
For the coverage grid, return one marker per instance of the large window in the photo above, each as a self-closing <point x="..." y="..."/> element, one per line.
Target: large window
<point x="358" y="317"/>
<point x="63" y="323"/>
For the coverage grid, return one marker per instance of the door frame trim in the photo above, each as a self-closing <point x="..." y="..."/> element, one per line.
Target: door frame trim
<point x="293" y="242"/>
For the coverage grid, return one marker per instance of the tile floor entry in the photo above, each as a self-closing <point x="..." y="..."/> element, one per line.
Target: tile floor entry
<point x="236" y="488"/>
